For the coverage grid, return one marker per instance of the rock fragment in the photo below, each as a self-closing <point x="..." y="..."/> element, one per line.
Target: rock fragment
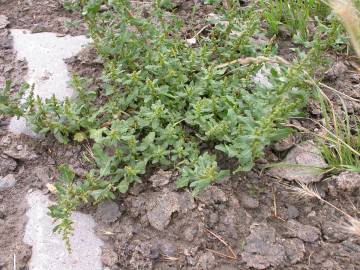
<point x="7" y="182"/>
<point x="48" y="249"/>
<point x="302" y="163"/>
<point x="262" y="250"/>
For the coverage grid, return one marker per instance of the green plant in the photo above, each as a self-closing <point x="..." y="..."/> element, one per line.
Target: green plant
<point x="167" y="103"/>
<point x="340" y="143"/>
<point x="294" y="15"/>
<point x="72" y="5"/>
<point x="348" y="12"/>
<point x="66" y="119"/>
<point x="10" y="104"/>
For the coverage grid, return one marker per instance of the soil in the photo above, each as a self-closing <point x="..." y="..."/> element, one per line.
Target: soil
<point x="250" y="221"/>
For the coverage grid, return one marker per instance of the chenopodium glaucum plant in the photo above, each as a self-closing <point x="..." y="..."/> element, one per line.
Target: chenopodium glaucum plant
<point x="167" y="103"/>
<point x="10" y="104"/>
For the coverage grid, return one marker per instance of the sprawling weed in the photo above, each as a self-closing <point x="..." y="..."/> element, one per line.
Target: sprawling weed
<point x="165" y="102"/>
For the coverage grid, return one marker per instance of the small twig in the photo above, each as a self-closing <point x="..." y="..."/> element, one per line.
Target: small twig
<point x="107" y="232"/>
<point x="274" y="202"/>
<point x="106" y="124"/>
<point x="275" y="205"/>
<point x="201" y="30"/>
<point x="220" y="254"/>
<point x="226" y="4"/>
<point x="170" y="258"/>
<point x="309" y="259"/>
<point x="234" y="257"/>
<point x="14" y="262"/>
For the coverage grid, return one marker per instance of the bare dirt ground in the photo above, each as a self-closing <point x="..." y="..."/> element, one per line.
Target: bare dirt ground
<point x="250" y="221"/>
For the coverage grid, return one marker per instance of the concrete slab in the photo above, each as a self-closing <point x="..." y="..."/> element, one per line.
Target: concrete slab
<point x="48" y="249"/>
<point x="45" y="54"/>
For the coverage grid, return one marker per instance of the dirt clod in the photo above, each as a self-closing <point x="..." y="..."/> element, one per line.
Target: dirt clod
<point x="161" y="178"/>
<point x="206" y="261"/>
<point x="7" y="164"/>
<point x="212" y="195"/>
<point x="7" y="182"/>
<point x="284" y="144"/>
<point x="160" y="209"/>
<point x="294" y="249"/>
<point x="108" y="212"/>
<point x="249" y="202"/>
<point x="301" y="164"/>
<point x="140" y="257"/>
<point x="109" y="257"/>
<point x="262" y="250"/>
<point x="20" y="152"/>
<point x="348" y="181"/>
<point x="306" y="233"/>
<point x="332" y="232"/>
<point x="292" y="212"/>
<point x="167" y="248"/>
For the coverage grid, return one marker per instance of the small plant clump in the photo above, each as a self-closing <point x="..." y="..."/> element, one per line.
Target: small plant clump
<point x="171" y="103"/>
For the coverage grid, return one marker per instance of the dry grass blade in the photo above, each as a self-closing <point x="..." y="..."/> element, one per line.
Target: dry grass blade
<point x="338" y="92"/>
<point x="89" y="150"/>
<point x="352" y="226"/>
<point x="169" y="258"/>
<point x="304" y="191"/>
<point x="233" y="255"/>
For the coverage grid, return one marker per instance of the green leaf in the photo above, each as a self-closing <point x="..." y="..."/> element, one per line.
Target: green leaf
<point x="97" y="134"/>
<point x="66" y="174"/>
<point x="123" y="186"/>
<point x="102" y="160"/>
<point x="80" y="136"/>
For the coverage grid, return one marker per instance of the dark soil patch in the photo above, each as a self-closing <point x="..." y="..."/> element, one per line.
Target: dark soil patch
<point x="42" y="16"/>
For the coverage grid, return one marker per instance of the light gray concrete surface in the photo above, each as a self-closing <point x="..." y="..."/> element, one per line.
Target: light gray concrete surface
<point x="45" y="54"/>
<point x="48" y="249"/>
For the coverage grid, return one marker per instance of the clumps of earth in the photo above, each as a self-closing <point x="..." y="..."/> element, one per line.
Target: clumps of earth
<point x="156" y="226"/>
<point x="250" y="221"/>
<point x="159" y="227"/>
